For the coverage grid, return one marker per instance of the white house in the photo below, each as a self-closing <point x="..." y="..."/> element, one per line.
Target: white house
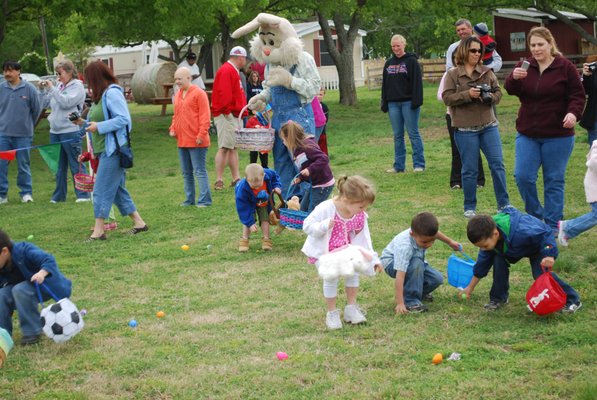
<point x="124" y="61"/>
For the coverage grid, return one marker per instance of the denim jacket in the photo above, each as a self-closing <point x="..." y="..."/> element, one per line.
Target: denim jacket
<point x="116" y="120"/>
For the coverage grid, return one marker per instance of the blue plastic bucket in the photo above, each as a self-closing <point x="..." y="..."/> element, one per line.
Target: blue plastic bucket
<point x="460" y="270"/>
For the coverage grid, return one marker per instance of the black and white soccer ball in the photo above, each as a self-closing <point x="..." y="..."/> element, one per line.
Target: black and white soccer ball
<point x="61" y="321"/>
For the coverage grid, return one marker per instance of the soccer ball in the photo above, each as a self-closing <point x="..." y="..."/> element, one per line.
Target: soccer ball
<point x="61" y="321"/>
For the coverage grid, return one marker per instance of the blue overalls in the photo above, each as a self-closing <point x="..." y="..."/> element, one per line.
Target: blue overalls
<point x="286" y="105"/>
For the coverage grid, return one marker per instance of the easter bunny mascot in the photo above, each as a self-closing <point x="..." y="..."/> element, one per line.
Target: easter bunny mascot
<point x="291" y="82"/>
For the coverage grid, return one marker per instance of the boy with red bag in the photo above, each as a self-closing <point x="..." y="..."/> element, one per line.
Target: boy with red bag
<point x="505" y="239"/>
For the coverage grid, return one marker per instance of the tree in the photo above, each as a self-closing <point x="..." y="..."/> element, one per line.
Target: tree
<point x="591" y="13"/>
<point x="343" y="54"/>
<point x="75" y="39"/>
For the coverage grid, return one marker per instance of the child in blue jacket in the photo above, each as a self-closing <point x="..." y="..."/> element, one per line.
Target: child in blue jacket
<point x="252" y="195"/>
<point x="506" y="238"/>
<point x="21" y="265"/>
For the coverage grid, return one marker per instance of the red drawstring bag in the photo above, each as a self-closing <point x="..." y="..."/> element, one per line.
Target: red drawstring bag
<point x="545" y="294"/>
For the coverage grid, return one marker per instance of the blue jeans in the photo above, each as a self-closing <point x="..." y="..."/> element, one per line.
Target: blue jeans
<point x="469" y="143"/>
<point x="501" y="277"/>
<point x="401" y="115"/>
<point x="313" y="197"/>
<point x="592" y="133"/>
<point x="552" y="154"/>
<point x="420" y="279"/>
<point x="110" y="188"/>
<point x="68" y="159"/>
<point x="287" y="105"/>
<point x="318" y="132"/>
<point x="22" y="298"/>
<point x="23" y="164"/>
<point x="192" y="163"/>
<point x="576" y="226"/>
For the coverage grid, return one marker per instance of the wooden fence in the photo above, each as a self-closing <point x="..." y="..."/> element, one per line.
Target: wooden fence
<point x="434" y="68"/>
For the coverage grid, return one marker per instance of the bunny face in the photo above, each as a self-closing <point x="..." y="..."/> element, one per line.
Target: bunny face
<point x="268" y="47"/>
<point x="276" y="41"/>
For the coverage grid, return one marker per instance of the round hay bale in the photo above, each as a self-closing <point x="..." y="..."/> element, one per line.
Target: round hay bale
<point x="148" y="80"/>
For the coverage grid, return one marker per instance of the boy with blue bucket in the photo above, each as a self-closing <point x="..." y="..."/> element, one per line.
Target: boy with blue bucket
<point x="404" y="260"/>
<point x="505" y="239"/>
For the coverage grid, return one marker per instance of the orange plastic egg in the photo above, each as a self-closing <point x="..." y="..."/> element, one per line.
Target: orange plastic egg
<point x="437" y="358"/>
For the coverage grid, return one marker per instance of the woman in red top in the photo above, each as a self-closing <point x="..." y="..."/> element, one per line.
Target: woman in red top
<point x="551" y="101"/>
<point x="190" y="126"/>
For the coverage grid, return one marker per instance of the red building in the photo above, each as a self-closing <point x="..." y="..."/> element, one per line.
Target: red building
<point x="511" y="27"/>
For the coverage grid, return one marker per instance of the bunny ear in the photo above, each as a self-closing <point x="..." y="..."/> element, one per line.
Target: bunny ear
<point x="269" y="20"/>
<point x="366" y="253"/>
<point x="247" y="28"/>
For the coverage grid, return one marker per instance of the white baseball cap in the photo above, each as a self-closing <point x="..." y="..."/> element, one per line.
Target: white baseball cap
<point x="238" y="51"/>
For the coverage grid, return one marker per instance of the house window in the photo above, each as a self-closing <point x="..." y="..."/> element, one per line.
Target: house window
<point x="517" y="41"/>
<point x="324" y="54"/>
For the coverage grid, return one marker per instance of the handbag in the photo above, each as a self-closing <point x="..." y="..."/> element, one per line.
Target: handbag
<point x="125" y="153"/>
<point x="60" y="321"/>
<point x="545" y="294"/>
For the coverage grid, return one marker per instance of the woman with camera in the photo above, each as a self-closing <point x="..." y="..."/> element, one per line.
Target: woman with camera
<point x="470" y="90"/>
<point x="109" y="123"/>
<point x="551" y="101"/>
<point x="64" y="99"/>
<point x="589" y="116"/>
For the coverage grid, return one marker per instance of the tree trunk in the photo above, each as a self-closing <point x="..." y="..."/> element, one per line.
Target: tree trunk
<point x="343" y="57"/>
<point x="348" y="90"/>
<point x="227" y="41"/>
<point x="204" y="54"/>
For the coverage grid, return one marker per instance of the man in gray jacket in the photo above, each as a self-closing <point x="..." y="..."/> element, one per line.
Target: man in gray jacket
<point x="19" y="109"/>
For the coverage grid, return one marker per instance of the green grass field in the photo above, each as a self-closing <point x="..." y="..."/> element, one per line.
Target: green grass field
<point x="227" y="314"/>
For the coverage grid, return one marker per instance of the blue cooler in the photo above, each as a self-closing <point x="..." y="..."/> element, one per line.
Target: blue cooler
<point x="460" y="270"/>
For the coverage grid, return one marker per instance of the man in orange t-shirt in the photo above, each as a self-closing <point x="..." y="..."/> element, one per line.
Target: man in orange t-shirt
<point x="190" y="127"/>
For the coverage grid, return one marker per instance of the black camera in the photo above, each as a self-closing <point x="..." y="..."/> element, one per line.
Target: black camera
<point x="592" y="66"/>
<point x="485" y="92"/>
<point x="72" y="117"/>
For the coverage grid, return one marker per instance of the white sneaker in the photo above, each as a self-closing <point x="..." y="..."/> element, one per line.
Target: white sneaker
<point x="3" y="200"/>
<point x="571" y="308"/>
<point x="353" y="314"/>
<point x="418" y="169"/>
<point x="562" y="237"/>
<point x="332" y="320"/>
<point x="469" y="213"/>
<point x="83" y="200"/>
<point x="27" y="198"/>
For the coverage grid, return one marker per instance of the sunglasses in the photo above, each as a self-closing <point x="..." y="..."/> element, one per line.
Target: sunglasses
<point x="474" y="51"/>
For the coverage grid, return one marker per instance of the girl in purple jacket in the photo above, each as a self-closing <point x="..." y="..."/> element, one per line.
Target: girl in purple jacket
<point x="312" y="163"/>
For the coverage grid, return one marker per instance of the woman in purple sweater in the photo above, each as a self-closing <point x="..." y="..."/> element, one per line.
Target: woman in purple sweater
<point x="551" y="102"/>
<point x="312" y="163"/>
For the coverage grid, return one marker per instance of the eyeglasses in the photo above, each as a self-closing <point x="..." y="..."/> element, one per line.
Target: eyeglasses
<point x="474" y="51"/>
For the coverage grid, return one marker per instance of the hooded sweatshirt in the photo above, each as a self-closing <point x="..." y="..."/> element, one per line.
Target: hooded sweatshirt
<point x="521" y="235"/>
<point x="403" y="80"/>
<point x="63" y="100"/>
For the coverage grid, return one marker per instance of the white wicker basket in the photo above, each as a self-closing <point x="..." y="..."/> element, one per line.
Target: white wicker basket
<point x="254" y="139"/>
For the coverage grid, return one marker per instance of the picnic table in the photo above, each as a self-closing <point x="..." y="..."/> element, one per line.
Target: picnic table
<point x="166" y="99"/>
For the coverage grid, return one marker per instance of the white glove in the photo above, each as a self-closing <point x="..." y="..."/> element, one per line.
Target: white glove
<point x="278" y="76"/>
<point x="257" y="103"/>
